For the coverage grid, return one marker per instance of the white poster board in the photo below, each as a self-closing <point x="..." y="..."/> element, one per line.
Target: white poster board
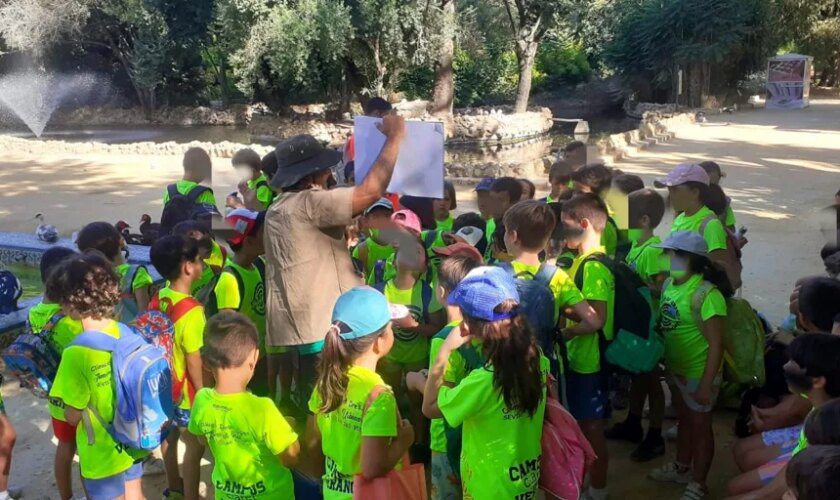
<point x="419" y="168"/>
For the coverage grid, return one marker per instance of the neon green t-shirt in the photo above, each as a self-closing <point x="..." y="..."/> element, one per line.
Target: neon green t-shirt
<point x="184" y="187"/>
<point x="803" y="441"/>
<point x="410" y="347"/>
<point x="437" y="435"/>
<point x="62" y="334"/>
<point x="598" y="285"/>
<point x="729" y="217"/>
<point x="374" y="251"/>
<point x="686" y="349"/>
<point x="189" y="337"/>
<point x="84" y="379"/>
<point x="218" y="260"/>
<point x="565" y="292"/>
<point x="490" y="228"/>
<point x="264" y="193"/>
<point x="342" y="429"/>
<point x="446" y="224"/>
<point x="714" y="234"/>
<point x="252" y="304"/>
<point x="647" y="260"/>
<point x="609" y="238"/>
<point x="246" y="434"/>
<point x="142" y="278"/>
<point x="501" y="450"/>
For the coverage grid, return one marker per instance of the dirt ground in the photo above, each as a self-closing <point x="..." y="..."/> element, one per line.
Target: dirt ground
<point x="781" y="171"/>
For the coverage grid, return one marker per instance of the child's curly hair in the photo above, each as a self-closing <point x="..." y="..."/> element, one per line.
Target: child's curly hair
<point x="86" y="286"/>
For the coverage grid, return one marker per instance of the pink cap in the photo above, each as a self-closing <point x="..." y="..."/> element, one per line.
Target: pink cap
<point x="687" y="172"/>
<point x="408" y="220"/>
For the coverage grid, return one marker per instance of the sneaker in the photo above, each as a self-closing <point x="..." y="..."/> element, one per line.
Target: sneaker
<point x="648" y="449"/>
<point x="622" y="431"/>
<point x="671" y="473"/>
<point x="153" y="466"/>
<point x="693" y="492"/>
<point x="172" y="495"/>
<point x="671" y="434"/>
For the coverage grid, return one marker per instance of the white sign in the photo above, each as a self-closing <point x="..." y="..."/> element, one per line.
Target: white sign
<point x="419" y="168"/>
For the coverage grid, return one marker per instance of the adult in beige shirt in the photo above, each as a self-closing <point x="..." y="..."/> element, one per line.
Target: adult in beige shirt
<point x="307" y="262"/>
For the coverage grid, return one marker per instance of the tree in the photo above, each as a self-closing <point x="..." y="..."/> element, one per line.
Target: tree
<point x="529" y="21"/>
<point x="443" y="94"/>
<point x="36" y="25"/>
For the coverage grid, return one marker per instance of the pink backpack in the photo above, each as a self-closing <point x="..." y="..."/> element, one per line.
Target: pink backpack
<point x="566" y="453"/>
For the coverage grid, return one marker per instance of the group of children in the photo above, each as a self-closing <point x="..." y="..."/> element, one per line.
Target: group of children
<point x="450" y="331"/>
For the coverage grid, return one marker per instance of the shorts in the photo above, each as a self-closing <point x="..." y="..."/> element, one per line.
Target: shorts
<point x="445" y="484"/>
<point x="771" y="469"/>
<point x="112" y="486"/>
<point x="587" y="395"/>
<point x="302" y="349"/>
<point x="181" y="418"/>
<point x="392" y="370"/>
<point x="687" y="386"/>
<point x="786" y="438"/>
<point x="64" y="432"/>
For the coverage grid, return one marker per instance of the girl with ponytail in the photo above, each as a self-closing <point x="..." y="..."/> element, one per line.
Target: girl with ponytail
<point x="501" y="405"/>
<point x="354" y="413"/>
<point x="692" y="315"/>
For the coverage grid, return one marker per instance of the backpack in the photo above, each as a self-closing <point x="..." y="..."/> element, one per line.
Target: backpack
<point x="158" y="328"/>
<point x="635" y="347"/>
<point x="425" y="295"/>
<point x="183" y="207"/>
<point x="743" y="338"/>
<point x="127" y="308"/>
<point x="211" y="306"/>
<point x="454" y="435"/>
<point x="566" y="453"/>
<point x="734" y="267"/>
<point x="33" y="358"/>
<point x="537" y="303"/>
<point x="142" y="380"/>
<point x="10" y="292"/>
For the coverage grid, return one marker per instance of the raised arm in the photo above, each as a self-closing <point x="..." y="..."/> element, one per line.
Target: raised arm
<point x="377" y="180"/>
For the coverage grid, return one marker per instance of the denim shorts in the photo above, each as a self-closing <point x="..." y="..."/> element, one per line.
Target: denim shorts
<point x="587" y="395"/>
<point x="111" y="487"/>
<point x="786" y="438"/>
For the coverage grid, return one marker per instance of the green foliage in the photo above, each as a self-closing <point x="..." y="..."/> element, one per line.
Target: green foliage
<point x="485" y="78"/>
<point x="753" y="84"/>
<point x="562" y="63"/>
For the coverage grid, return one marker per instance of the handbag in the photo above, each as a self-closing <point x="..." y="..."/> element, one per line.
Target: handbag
<point x="407" y="483"/>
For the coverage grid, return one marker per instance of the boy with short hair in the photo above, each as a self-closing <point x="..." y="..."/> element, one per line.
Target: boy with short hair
<point x="198" y="168"/>
<point x="584" y="218"/>
<point x="135" y="281"/>
<point x="574" y="154"/>
<point x="559" y="178"/>
<point x="627" y="183"/>
<point x="646" y="208"/>
<point x="252" y="444"/>
<point x="504" y="193"/>
<point x="63" y="329"/>
<point x="214" y="256"/>
<point x="178" y="259"/>
<point x="482" y="197"/>
<point x="596" y="178"/>
<point x="247" y="164"/>
<point x="241" y="284"/>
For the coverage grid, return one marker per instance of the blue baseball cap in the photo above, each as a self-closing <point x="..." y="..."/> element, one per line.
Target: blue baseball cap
<point x="362" y="311"/>
<point x="485" y="184"/>
<point x="482" y="290"/>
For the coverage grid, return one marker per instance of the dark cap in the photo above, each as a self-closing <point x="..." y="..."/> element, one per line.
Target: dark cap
<point x="300" y="156"/>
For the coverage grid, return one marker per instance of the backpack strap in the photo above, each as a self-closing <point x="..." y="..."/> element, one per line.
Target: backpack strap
<point x="172" y="191"/>
<point x="705" y="223"/>
<point x="196" y="193"/>
<point x="379" y="271"/>
<point x="260" y="183"/>
<point x="52" y="323"/>
<point x="697" y="299"/>
<point x="597" y="257"/>
<point x="425" y="297"/>
<point x="260" y="265"/>
<point x="429" y="238"/>
<point x="545" y="274"/>
<point x="379" y="286"/>
<point x="95" y="340"/>
<point x="128" y="279"/>
<point x="175" y="312"/>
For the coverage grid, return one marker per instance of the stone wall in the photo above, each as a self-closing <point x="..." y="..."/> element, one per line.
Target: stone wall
<point x="238" y="114"/>
<point x="37" y="147"/>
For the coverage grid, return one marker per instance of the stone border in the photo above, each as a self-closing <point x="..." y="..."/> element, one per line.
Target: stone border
<point x="653" y="130"/>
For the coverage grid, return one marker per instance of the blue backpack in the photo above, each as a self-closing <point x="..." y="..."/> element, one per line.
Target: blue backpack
<point x="33" y="358"/>
<point x="537" y="303"/>
<point x="127" y="308"/>
<point x="142" y="380"/>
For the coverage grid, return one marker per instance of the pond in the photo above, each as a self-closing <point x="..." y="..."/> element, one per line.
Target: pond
<point x="30" y="279"/>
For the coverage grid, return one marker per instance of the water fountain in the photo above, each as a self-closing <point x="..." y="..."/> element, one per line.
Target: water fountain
<point x="33" y="95"/>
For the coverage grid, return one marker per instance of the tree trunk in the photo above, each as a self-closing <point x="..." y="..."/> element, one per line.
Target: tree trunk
<point x="223" y="81"/>
<point x="443" y="96"/>
<point x="526" y="52"/>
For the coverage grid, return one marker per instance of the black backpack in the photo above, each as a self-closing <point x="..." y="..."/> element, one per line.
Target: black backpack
<point x="183" y="207"/>
<point x="635" y="347"/>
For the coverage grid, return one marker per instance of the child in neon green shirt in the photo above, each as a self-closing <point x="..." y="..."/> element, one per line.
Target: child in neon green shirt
<point x="241" y="286"/>
<point x="198" y="168"/>
<point x="372" y="250"/>
<point x="178" y="259"/>
<point x="443" y="208"/>
<point x="248" y="166"/>
<point x="252" y="444"/>
<point x="87" y="288"/>
<point x="355" y="422"/>
<point x="500" y="405"/>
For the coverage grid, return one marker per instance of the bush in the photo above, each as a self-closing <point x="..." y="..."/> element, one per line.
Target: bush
<point x="559" y="62"/>
<point x="753" y="84"/>
<point x="484" y="78"/>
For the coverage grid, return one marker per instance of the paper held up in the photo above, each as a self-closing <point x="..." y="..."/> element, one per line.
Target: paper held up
<point x="419" y="169"/>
